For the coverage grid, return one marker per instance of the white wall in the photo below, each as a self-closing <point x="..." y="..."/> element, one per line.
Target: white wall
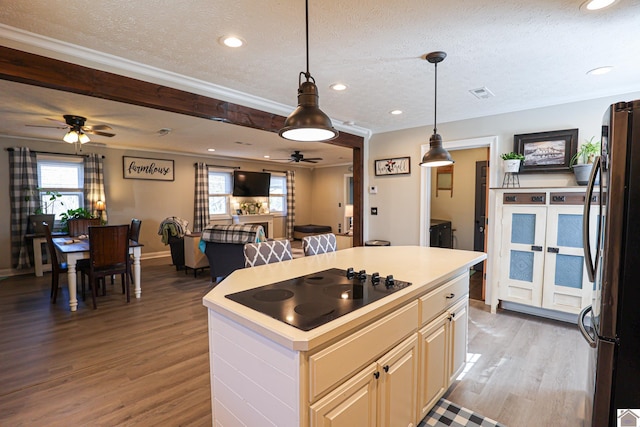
<point x="398" y="197"/>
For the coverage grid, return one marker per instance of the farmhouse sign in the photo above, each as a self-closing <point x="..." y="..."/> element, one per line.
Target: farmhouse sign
<point x="141" y="168"/>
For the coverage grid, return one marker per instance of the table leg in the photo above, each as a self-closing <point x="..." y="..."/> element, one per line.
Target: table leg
<point x="136" y="271"/>
<point x="71" y="280"/>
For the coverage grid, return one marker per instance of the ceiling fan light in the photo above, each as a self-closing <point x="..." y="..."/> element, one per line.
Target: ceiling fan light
<point x="83" y="138"/>
<point x="70" y="137"/>
<point x="436" y="156"/>
<point x="307" y="122"/>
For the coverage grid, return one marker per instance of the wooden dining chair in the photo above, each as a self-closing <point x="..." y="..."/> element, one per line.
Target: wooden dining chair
<point x="80" y="226"/>
<point x="56" y="268"/>
<point x="108" y="256"/>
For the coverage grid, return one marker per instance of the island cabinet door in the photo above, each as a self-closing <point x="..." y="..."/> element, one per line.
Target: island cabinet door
<point x="433" y="374"/>
<point x="522" y="256"/>
<point x="353" y="404"/>
<point x="398" y="385"/>
<point x="459" y="327"/>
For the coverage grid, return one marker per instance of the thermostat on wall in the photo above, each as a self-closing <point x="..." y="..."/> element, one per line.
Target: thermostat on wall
<point x="373" y="189"/>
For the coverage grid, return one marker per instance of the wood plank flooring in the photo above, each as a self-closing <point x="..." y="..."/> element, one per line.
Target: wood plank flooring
<point x="146" y="363"/>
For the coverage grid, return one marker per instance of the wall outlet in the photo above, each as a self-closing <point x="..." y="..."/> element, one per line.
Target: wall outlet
<point x="373" y="189"/>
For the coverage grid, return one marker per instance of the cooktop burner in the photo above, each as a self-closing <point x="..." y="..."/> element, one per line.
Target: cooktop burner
<point x="312" y="300"/>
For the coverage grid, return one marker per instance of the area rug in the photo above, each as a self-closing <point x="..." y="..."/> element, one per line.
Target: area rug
<point x="447" y="414"/>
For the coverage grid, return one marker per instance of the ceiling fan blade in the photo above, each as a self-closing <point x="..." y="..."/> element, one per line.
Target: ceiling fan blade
<point x="313" y="158"/>
<point x="308" y="160"/>
<point x="96" y="127"/>
<point x="57" y="121"/>
<point x="95" y="132"/>
<point x="50" y="127"/>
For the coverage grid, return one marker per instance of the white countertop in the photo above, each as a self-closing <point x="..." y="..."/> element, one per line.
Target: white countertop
<point x="423" y="267"/>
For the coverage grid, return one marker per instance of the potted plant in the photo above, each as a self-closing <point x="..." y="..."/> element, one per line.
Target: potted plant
<point x="80" y="213"/>
<point x="512" y="161"/>
<point x="582" y="162"/>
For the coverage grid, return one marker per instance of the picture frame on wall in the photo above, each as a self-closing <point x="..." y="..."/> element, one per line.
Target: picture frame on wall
<point x="546" y="151"/>
<point x="393" y="166"/>
<point x="150" y="169"/>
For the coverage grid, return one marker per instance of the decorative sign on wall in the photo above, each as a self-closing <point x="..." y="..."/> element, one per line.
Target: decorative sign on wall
<point x="141" y="168"/>
<point x="396" y="166"/>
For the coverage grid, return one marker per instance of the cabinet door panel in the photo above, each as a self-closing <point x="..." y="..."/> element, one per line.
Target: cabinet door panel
<point x="398" y="387"/>
<point x="459" y="332"/>
<point x="522" y="257"/>
<point x="433" y="363"/>
<point x="566" y="287"/>
<point x="351" y="405"/>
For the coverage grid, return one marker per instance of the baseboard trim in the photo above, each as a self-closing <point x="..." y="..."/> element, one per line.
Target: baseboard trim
<point x="541" y="312"/>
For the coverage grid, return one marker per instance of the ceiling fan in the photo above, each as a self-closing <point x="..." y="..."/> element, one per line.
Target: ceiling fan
<point x="76" y="128"/>
<point x="298" y="157"/>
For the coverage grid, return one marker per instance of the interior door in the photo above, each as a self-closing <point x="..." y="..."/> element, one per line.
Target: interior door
<point x="480" y="211"/>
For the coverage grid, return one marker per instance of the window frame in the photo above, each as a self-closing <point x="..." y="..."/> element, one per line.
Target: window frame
<point x="66" y="161"/>
<point x="227" y="196"/>
<point x="282" y="176"/>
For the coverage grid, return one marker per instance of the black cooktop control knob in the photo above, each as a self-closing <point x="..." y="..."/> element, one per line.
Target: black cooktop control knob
<point x="362" y="275"/>
<point x="350" y="273"/>
<point x="375" y="278"/>
<point x="389" y="281"/>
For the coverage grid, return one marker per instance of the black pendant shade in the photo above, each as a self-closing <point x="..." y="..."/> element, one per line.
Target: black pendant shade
<point x="436" y="156"/>
<point x="308" y="122"/>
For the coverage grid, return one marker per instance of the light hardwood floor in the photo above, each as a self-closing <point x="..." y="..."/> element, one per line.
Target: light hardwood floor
<point x="146" y="363"/>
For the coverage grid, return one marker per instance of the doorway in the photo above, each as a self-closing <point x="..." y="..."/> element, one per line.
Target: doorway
<point x="427" y="198"/>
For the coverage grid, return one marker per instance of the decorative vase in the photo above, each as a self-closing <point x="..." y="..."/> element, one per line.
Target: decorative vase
<point x="512" y="165"/>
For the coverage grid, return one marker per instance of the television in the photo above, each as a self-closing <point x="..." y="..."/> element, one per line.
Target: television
<point x="251" y="184"/>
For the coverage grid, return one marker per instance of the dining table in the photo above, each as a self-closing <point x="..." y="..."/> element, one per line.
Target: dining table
<point x="73" y="249"/>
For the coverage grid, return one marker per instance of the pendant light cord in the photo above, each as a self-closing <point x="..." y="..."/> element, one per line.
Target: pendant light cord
<point x="435" y="101"/>
<point x="306" y="19"/>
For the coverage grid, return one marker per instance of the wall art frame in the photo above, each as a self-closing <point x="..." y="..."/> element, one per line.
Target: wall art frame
<point x="149" y="169"/>
<point x="393" y="166"/>
<point x="546" y="152"/>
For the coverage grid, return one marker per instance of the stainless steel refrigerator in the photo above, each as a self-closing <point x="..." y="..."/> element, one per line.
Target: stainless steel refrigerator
<point x="613" y="265"/>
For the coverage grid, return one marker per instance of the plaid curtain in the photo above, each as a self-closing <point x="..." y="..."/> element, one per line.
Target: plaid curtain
<point x="201" y="198"/>
<point x="94" y="184"/>
<point x="291" y="214"/>
<point x="23" y="180"/>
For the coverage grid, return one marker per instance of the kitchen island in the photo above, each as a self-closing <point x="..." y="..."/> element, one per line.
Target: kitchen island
<point x="390" y="360"/>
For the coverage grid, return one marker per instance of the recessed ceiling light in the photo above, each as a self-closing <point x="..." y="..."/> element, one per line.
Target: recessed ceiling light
<point x="482" y="93"/>
<point x="231" y="41"/>
<point x="596" y="4"/>
<point x="267" y="157"/>
<point x="338" y="87"/>
<point x="395" y="112"/>
<point x="600" y="70"/>
<point x="211" y="149"/>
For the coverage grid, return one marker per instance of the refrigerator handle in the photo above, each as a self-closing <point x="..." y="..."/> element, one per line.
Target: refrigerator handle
<point x="586" y="244"/>
<point x="583" y="330"/>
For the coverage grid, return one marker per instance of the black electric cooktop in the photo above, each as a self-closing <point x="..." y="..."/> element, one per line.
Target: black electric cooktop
<point x="312" y="300"/>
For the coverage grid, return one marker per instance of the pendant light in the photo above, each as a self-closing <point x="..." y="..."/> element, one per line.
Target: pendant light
<point x="436" y="156"/>
<point x="307" y="122"/>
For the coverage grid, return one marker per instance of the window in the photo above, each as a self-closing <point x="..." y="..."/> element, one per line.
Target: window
<point x="219" y="192"/>
<point x="64" y="175"/>
<point x="278" y="194"/>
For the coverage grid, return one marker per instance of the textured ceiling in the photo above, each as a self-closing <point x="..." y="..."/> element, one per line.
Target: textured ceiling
<point x="528" y="54"/>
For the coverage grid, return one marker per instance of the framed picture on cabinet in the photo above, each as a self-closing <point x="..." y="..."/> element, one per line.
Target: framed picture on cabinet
<point x="546" y="151"/>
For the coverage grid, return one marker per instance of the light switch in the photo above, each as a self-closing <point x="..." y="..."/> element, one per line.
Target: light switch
<point x="374" y="211"/>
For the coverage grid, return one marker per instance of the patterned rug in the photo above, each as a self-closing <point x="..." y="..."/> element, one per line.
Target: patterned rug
<point x="447" y="414"/>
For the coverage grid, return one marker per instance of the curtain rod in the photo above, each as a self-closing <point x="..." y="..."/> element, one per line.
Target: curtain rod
<point x="273" y="170"/>
<point x="51" y="152"/>
<point x="219" y="166"/>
